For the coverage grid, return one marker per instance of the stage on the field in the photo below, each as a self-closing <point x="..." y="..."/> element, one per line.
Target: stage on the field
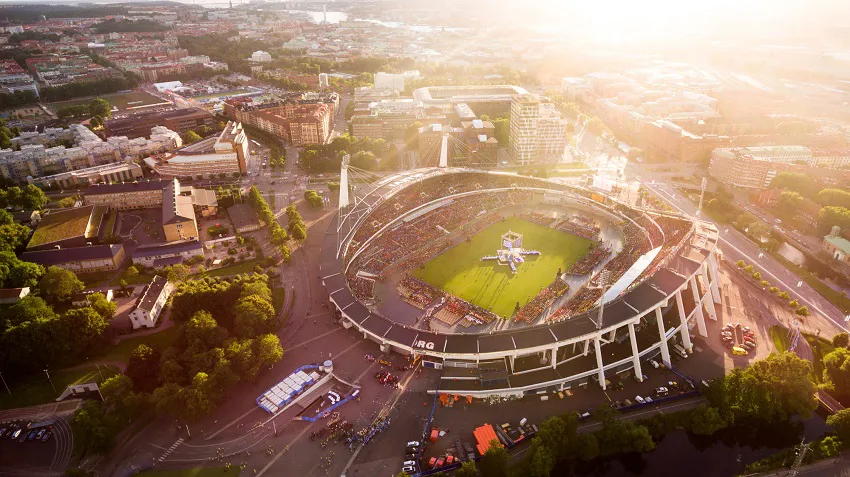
<point x="461" y="271"/>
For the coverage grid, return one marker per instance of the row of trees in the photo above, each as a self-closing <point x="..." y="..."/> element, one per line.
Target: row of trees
<point x="33" y="335"/>
<point x="366" y="153"/>
<point x="88" y="88"/>
<point x="296" y="226"/>
<point x="227" y="338"/>
<point x="277" y="234"/>
<point x="781" y="294"/>
<point x="770" y="391"/>
<point x="17" y="98"/>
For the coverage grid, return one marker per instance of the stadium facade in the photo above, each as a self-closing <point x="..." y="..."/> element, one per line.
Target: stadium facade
<point x="652" y="316"/>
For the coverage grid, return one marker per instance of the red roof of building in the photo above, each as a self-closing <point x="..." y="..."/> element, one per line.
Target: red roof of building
<point x="485" y="436"/>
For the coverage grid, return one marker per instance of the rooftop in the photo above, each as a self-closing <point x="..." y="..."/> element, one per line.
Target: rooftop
<point x="125" y="187"/>
<point x="840" y="243"/>
<point x="151" y="293"/>
<point x="67" y="224"/>
<point x="73" y="254"/>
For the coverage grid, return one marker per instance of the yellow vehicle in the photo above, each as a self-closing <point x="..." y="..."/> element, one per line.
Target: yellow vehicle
<point x="739" y="351"/>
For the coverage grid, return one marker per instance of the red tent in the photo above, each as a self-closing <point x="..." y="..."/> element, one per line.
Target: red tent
<point x="485" y="435"/>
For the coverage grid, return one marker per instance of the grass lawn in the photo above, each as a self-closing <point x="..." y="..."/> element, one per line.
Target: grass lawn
<point x="119" y="100"/>
<point x="35" y="388"/>
<point x="161" y="340"/>
<point x="278" y="298"/>
<point x="820" y="347"/>
<point x="461" y="272"/>
<point x="95" y="279"/>
<point x="779" y="335"/>
<point x="196" y="472"/>
<point x="235" y="269"/>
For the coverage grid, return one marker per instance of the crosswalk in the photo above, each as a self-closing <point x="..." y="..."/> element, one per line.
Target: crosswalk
<point x="170" y="450"/>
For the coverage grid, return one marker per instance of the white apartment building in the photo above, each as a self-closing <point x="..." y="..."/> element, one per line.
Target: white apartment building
<point x="151" y="303"/>
<point x="537" y="131"/>
<point x="323" y="80"/>
<point x="389" y="81"/>
<point x="37" y="160"/>
<point x="261" y="56"/>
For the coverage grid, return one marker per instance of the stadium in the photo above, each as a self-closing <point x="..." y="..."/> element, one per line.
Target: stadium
<point x="513" y="285"/>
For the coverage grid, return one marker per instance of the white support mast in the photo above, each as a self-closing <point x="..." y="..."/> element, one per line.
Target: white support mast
<point x="444" y="151"/>
<point x="343" y="183"/>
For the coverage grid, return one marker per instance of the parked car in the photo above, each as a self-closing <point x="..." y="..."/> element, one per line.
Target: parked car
<point x="673" y="384"/>
<point x="40" y="433"/>
<point x="408" y="469"/>
<point x="640" y="399"/>
<point x="31" y="435"/>
<point x="412" y="444"/>
<point x="648" y="399"/>
<point x="46" y="436"/>
<point x="409" y="463"/>
<point x="17" y="433"/>
<point x="662" y="391"/>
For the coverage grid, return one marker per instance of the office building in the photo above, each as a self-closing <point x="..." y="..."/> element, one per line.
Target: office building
<point x="299" y="120"/>
<point x="386" y="119"/>
<point x="178" y="214"/>
<point x="226" y="154"/>
<point x="323" y="80"/>
<point x="14" y="78"/>
<point x="756" y="167"/>
<point x="127" y="171"/>
<point x="261" y="56"/>
<point x="537" y="131"/>
<point x="69" y="228"/>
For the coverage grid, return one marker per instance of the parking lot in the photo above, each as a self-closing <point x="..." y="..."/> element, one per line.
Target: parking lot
<point x="35" y="446"/>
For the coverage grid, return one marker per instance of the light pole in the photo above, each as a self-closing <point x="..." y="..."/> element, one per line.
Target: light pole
<point x="51" y="381"/>
<point x="4" y="384"/>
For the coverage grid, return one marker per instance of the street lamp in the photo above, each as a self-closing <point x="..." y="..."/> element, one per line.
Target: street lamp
<point x="7" y="386"/>
<point x="51" y="381"/>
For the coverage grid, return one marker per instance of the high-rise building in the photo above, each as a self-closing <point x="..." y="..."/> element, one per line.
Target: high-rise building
<point x="323" y="80"/>
<point x="538" y="132"/>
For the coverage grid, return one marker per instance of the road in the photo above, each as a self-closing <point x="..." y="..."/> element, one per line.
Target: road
<point x="734" y="245"/>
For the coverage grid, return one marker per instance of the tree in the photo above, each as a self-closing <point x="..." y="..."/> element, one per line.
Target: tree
<point x="706" y="420"/>
<point x="772" y="389"/>
<point x="789" y="202"/>
<point x="100" y="107"/>
<point x="79" y="331"/>
<point x="468" y="469"/>
<point x="90" y="423"/>
<point x="783" y="295"/>
<point x="167" y="399"/>
<point x="131" y="272"/>
<point x="793" y="304"/>
<point x="12" y="234"/>
<point x="298" y="232"/>
<point x="541" y="459"/>
<point x="191" y="137"/>
<point x="834" y="197"/>
<point x="841" y="340"/>
<point x="830" y="216"/>
<point x="795" y="181"/>
<point x="106" y="309"/>
<point x="15" y="273"/>
<point x="66" y="202"/>
<point x="840" y="423"/>
<point x="267" y="349"/>
<point x="59" y="284"/>
<point x="202" y="332"/>
<point x="32" y="198"/>
<point x="253" y="315"/>
<point x="177" y="273"/>
<point x="285" y="254"/>
<point x="836" y="371"/>
<point x="494" y="462"/>
<point x="259" y="289"/>
<point x="143" y="368"/>
<point x="619" y="436"/>
<point x="803" y="311"/>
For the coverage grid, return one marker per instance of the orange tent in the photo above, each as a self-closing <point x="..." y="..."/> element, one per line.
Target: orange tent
<point x="485" y="435"/>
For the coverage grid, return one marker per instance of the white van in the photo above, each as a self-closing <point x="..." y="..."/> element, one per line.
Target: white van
<point x="680" y="351"/>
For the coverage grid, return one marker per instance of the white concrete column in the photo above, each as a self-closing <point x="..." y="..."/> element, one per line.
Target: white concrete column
<point x="665" y="352"/>
<point x="680" y="305"/>
<point x="554" y="356"/>
<point x="586" y="347"/>
<point x="715" y="278"/>
<point x="599" y="363"/>
<point x="612" y="335"/>
<point x="513" y="368"/>
<point x="698" y="310"/>
<point x="635" y="353"/>
<point x="709" y="301"/>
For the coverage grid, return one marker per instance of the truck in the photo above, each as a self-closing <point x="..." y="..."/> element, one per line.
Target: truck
<point x="680" y="351"/>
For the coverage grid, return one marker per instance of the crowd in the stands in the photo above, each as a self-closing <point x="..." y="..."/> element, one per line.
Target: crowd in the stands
<point x="543" y="300"/>
<point x="594" y="257"/>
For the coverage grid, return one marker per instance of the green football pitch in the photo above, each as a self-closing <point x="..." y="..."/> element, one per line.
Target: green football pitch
<point x="461" y="272"/>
